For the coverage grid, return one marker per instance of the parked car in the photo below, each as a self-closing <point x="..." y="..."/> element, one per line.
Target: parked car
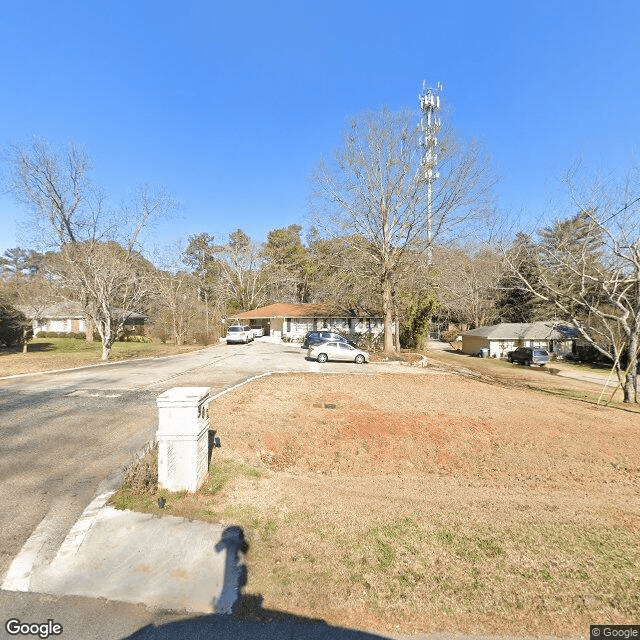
<point x="312" y="338"/>
<point x="335" y="350"/>
<point x="258" y="331"/>
<point x="528" y="356"/>
<point x="239" y="333"/>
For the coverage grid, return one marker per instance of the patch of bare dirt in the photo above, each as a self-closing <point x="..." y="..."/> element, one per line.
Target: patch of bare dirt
<point x="434" y="502"/>
<point x="390" y="424"/>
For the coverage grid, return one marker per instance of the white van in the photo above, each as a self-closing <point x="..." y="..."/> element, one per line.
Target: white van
<point x="238" y="333"/>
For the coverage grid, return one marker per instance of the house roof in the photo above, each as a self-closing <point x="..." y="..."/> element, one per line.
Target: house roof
<point x="525" y="331"/>
<point x="54" y="311"/>
<point x="64" y="310"/>
<point x="307" y="310"/>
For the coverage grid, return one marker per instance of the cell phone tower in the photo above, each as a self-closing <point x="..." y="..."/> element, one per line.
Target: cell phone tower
<point x="430" y="126"/>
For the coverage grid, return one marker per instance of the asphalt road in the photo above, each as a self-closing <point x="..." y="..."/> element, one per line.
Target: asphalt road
<point x="65" y="434"/>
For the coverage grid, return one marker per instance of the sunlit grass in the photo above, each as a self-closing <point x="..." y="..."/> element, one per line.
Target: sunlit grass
<point x="47" y="354"/>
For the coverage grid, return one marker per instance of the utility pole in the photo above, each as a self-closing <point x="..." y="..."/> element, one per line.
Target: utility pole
<point x="430" y="125"/>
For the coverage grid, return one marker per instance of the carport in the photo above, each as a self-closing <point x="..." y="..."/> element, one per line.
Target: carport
<point x="294" y="320"/>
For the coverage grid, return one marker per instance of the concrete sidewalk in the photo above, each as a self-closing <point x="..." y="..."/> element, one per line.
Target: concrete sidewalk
<point x="162" y="562"/>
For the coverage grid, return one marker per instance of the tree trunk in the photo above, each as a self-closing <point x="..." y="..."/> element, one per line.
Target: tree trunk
<point x="89" y="331"/>
<point x="206" y="312"/>
<point x="629" y="388"/>
<point x="106" y="333"/>
<point x="387" y="309"/>
<point x="396" y="322"/>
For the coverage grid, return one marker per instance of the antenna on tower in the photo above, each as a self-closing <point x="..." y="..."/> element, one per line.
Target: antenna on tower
<point x="430" y="126"/>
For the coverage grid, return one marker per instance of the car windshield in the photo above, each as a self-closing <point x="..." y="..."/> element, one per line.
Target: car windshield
<point x="233" y="329"/>
<point x="540" y="352"/>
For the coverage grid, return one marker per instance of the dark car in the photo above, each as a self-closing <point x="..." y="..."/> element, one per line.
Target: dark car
<point x="312" y="338"/>
<point x="528" y="356"/>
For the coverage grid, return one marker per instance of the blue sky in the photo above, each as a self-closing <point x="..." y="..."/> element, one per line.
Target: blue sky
<point x="230" y="104"/>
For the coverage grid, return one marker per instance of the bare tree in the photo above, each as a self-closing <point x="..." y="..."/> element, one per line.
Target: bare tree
<point x="112" y="282"/>
<point x="466" y="279"/>
<point x="375" y="190"/>
<point x="240" y="264"/>
<point x="55" y="186"/>
<point x="177" y="302"/>
<point x="98" y="258"/>
<point x="589" y="269"/>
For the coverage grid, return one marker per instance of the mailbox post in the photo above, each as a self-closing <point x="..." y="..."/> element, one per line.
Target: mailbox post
<point x="183" y="438"/>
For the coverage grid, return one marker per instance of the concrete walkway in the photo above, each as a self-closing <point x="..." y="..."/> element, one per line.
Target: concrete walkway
<point x="163" y="562"/>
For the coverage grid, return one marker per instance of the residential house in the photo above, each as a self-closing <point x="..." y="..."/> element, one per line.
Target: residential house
<point x="67" y="317"/>
<point x="556" y="337"/>
<point x="291" y="321"/>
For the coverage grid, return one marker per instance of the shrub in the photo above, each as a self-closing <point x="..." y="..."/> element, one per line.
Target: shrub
<point x="135" y="338"/>
<point x="202" y="337"/>
<point x="368" y="341"/>
<point x="142" y="476"/>
<point x="450" y="335"/>
<point x="14" y="326"/>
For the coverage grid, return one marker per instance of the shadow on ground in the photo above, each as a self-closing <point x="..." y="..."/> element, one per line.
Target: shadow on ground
<point x="250" y="621"/>
<point x="31" y="348"/>
<point x="242" y="617"/>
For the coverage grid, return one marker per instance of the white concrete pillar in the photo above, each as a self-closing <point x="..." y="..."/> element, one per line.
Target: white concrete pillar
<point x="183" y="438"/>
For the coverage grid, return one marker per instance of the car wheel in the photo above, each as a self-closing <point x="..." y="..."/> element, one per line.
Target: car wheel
<point x="526" y="363"/>
<point x="510" y="359"/>
<point x="322" y="357"/>
<point x="359" y="359"/>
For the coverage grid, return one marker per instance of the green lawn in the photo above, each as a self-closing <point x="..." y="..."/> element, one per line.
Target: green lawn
<point x="473" y="362"/>
<point x="538" y="378"/>
<point x="48" y="354"/>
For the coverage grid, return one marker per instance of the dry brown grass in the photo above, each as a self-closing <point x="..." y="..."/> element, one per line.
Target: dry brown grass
<point x="429" y="501"/>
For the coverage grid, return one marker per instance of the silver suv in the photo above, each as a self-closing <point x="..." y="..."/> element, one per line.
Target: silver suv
<point x="528" y="356"/>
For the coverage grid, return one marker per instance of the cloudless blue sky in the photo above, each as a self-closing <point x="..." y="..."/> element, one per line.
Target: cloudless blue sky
<point x="230" y="104"/>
